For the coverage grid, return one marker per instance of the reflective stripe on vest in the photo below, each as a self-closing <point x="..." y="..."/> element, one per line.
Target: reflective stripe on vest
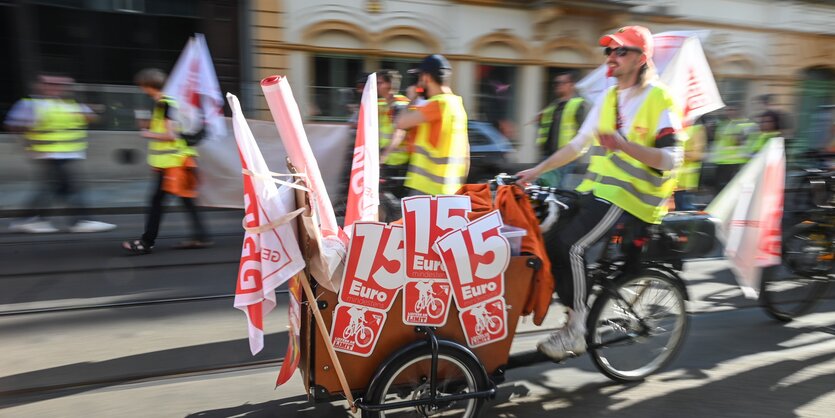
<point x="165" y="154"/>
<point x="730" y="142"/>
<point x="687" y="175"/>
<point x="399" y="156"/>
<point x="441" y="168"/>
<point x="60" y="127"/>
<point x="626" y="182"/>
<point x="568" y="122"/>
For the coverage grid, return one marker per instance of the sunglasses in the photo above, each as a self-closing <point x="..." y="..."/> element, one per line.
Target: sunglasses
<point x="620" y="51"/>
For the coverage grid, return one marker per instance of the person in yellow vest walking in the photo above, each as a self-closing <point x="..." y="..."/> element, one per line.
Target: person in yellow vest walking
<point x="440" y="157"/>
<point x="730" y="150"/>
<point x="167" y="152"/>
<point x="769" y="124"/>
<point x="558" y="124"/>
<point x="54" y="129"/>
<point x="394" y="152"/>
<point x="687" y="176"/>
<point x="636" y="122"/>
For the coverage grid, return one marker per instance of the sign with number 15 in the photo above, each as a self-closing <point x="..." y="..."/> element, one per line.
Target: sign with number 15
<point x="427" y="218"/>
<point x="475" y="258"/>
<point x="374" y="269"/>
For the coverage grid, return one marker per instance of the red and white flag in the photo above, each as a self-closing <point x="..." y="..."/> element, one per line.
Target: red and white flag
<point x="364" y="186"/>
<point x="750" y="209"/>
<point x="193" y="85"/>
<point x="270" y="254"/>
<point x="691" y="82"/>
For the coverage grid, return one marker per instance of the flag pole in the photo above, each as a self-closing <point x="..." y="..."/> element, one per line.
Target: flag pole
<point x="301" y="200"/>
<point x="320" y="323"/>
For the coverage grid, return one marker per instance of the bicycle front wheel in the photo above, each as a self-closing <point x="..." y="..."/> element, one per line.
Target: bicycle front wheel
<point x="638" y="331"/>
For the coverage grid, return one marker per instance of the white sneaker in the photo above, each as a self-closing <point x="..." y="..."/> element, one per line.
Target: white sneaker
<point x="36" y="227"/>
<point x="17" y="226"/>
<point x="91" y="226"/>
<point x="566" y="342"/>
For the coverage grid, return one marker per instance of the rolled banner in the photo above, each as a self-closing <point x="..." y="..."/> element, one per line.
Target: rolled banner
<point x="285" y="112"/>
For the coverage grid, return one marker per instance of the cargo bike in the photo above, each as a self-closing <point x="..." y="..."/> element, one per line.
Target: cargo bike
<point x="636" y="325"/>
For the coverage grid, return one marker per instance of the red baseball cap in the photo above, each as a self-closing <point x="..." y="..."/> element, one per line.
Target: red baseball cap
<point x="631" y="36"/>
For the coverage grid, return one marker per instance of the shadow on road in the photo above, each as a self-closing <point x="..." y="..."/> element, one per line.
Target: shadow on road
<point x="57" y="382"/>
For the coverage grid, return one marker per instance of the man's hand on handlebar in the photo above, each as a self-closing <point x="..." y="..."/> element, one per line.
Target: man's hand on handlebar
<point x="528" y="176"/>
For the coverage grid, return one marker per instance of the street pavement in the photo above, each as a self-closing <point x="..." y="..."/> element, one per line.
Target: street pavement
<point x="165" y="341"/>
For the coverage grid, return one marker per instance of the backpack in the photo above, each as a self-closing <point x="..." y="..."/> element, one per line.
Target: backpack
<point x="192" y="122"/>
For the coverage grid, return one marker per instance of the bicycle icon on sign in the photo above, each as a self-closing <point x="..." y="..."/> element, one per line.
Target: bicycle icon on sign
<point x="427" y="301"/>
<point x="486" y="322"/>
<point x="362" y="334"/>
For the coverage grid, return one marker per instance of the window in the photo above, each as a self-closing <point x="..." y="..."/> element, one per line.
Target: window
<point x="735" y="91"/>
<point x="495" y="99"/>
<point x="335" y="85"/>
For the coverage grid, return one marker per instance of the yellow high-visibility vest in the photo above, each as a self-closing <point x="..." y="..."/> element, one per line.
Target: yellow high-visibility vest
<point x="758" y="140"/>
<point x="60" y="127"/>
<point x="624" y="181"/>
<point x="441" y="155"/>
<point x="687" y="175"/>
<point x="399" y="156"/>
<point x="568" y="122"/>
<point x="165" y="154"/>
<point x="730" y="145"/>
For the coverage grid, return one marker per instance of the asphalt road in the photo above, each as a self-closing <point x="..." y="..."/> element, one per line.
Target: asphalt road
<point x="90" y="332"/>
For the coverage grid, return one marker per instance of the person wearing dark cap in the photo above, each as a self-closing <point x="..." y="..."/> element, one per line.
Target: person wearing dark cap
<point x="440" y="156"/>
<point x="636" y="124"/>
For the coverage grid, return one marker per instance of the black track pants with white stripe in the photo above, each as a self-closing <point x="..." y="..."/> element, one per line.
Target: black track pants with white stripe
<point x="567" y="247"/>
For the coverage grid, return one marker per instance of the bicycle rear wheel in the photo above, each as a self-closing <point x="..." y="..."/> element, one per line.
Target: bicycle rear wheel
<point x="640" y="330"/>
<point x="792" y="288"/>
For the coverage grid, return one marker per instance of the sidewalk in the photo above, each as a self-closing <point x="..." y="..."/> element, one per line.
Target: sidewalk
<point x="101" y="197"/>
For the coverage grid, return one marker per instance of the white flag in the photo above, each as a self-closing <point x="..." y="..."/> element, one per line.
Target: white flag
<point x="750" y="209"/>
<point x="193" y="84"/>
<point x="691" y="82"/>
<point x="270" y="254"/>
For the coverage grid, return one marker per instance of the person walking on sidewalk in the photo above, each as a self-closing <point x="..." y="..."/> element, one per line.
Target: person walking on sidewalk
<point x="635" y="121"/>
<point x="558" y="124"/>
<point x="167" y="152"/>
<point x="54" y="128"/>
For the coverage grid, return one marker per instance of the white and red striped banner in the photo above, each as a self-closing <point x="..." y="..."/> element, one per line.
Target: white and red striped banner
<point x="364" y="187"/>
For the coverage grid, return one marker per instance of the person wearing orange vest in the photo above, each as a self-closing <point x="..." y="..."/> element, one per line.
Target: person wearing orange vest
<point x="558" y="124"/>
<point x="54" y="129"/>
<point x="166" y="149"/>
<point x="440" y="156"/>
<point x="636" y="123"/>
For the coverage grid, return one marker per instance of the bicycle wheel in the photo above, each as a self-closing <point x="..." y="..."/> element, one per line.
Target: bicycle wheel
<point x="364" y="337"/>
<point x="792" y="288"/>
<point x="435" y="308"/>
<point x="638" y="333"/>
<point x="494" y="325"/>
<point x="407" y="378"/>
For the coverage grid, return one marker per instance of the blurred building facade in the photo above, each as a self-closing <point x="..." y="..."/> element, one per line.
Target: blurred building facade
<point x="504" y="53"/>
<point x="102" y="44"/>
